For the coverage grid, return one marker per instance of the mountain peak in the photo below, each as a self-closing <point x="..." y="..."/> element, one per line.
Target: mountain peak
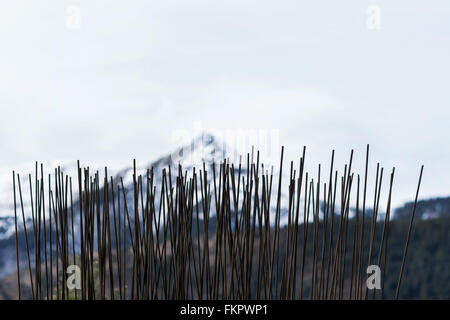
<point x="205" y="139"/>
<point x="205" y="147"/>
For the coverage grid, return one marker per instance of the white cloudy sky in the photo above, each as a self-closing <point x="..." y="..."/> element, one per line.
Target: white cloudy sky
<point x="135" y="71"/>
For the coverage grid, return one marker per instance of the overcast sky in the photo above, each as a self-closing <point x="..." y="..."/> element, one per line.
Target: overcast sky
<point x="118" y="86"/>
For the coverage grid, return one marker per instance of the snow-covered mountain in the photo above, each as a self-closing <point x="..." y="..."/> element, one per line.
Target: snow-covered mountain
<point x="204" y="149"/>
<point x="208" y="151"/>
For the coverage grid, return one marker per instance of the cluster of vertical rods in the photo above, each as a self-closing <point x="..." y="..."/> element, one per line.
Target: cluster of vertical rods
<point x="214" y="233"/>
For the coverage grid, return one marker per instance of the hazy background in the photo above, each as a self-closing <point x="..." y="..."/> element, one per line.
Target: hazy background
<point x="135" y="71"/>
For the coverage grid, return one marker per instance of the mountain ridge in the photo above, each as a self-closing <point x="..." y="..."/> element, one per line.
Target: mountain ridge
<point x="203" y="149"/>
